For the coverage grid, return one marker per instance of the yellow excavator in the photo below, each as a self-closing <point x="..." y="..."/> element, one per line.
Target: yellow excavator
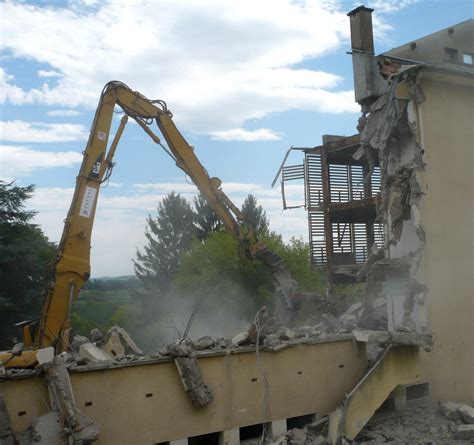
<point x="72" y="266"/>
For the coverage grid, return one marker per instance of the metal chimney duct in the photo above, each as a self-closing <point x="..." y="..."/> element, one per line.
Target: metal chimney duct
<point x="368" y="83"/>
<point x="362" y="37"/>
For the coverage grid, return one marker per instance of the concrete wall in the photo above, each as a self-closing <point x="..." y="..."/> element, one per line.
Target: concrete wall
<point x="430" y="49"/>
<point x="446" y="124"/>
<point x="146" y="403"/>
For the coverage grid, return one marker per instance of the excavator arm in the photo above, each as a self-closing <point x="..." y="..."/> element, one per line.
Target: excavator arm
<point x="72" y="267"/>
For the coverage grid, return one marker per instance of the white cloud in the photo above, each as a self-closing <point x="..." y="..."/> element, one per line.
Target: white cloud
<point x="216" y="63"/>
<point x="240" y="134"/>
<point x="390" y="6"/>
<point x="63" y="113"/>
<point x="112" y="253"/>
<point x="50" y="73"/>
<point x="17" y="161"/>
<point x="165" y="187"/>
<point x="40" y="132"/>
<point x="13" y="94"/>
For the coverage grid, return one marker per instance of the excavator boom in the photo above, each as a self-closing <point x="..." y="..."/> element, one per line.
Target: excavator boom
<point x="72" y="267"/>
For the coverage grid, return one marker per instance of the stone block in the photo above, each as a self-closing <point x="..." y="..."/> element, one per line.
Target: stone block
<point x="465" y="432"/>
<point x="92" y="352"/>
<point x="45" y="355"/>
<point x="113" y="346"/>
<point x="47" y="430"/>
<point x="450" y="409"/>
<point x="466" y="413"/>
<point x="240" y="338"/>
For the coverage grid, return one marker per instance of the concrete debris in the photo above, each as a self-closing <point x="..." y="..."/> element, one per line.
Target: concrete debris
<point x="96" y="336"/>
<point x="73" y="359"/>
<point x="287" y="334"/>
<point x="93" y="353"/>
<point x="263" y="325"/>
<point x="457" y="411"/>
<point x="191" y="377"/>
<point x="46" y="430"/>
<point x="120" y="334"/>
<point x="450" y="409"/>
<point x="420" y="425"/>
<point x="306" y="332"/>
<point x="45" y="355"/>
<point x="317" y="427"/>
<point x="297" y="437"/>
<point x="75" y="425"/>
<point x="397" y="338"/>
<point x="319" y="440"/>
<point x="389" y="134"/>
<point x="467" y="414"/>
<point x="113" y="346"/>
<point x="78" y="341"/>
<point x="302" y="436"/>
<point x="203" y="343"/>
<point x="414" y="426"/>
<point x="182" y="348"/>
<point x="240" y="338"/>
<point x="465" y="432"/>
<point x="349" y="319"/>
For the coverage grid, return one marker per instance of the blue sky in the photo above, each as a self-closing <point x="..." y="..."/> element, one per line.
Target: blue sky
<point x="245" y="80"/>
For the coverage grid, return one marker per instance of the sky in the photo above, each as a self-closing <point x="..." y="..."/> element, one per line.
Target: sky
<point x="245" y="80"/>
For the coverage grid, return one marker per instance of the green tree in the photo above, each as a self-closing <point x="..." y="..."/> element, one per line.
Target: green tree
<point x="295" y="253"/>
<point x="169" y="234"/>
<point x="255" y="215"/>
<point x="205" y="220"/>
<point x="216" y="267"/>
<point x="217" y="260"/>
<point x="25" y="257"/>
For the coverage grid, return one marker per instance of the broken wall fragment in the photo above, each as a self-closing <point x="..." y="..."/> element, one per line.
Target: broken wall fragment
<point x="390" y="130"/>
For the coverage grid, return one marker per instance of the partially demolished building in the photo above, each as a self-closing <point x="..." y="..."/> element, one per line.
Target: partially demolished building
<point x="414" y="180"/>
<point x="341" y="193"/>
<point x="417" y="127"/>
<point x="394" y="206"/>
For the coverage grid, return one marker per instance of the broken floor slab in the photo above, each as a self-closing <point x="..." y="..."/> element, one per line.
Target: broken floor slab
<point x="46" y="430"/>
<point x="78" y="427"/>
<point x="394" y="338"/>
<point x="119" y="342"/>
<point x="93" y="353"/>
<point x="191" y="377"/>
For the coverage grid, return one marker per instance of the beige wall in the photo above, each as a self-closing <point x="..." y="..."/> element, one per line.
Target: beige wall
<point x="430" y="49"/>
<point x="302" y="379"/>
<point x="447" y="268"/>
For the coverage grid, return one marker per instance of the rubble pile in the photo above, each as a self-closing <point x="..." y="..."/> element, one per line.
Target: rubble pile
<point x="312" y="434"/>
<point x="450" y="423"/>
<point x="271" y="334"/>
<point x="118" y="348"/>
